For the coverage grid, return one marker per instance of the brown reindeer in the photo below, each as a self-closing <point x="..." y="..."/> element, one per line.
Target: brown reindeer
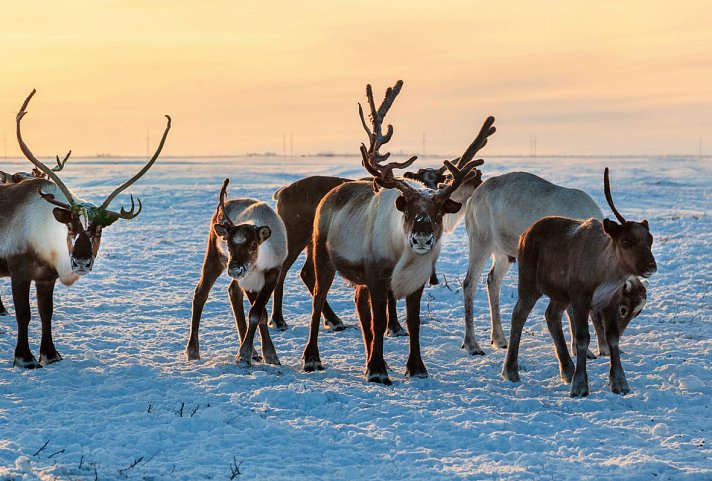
<point x="296" y="205"/>
<point x="382" y="235"/>
<point x="582" y="264"/>
<point x="249" y="240"/>
<point x="46" y="233"/>
<point x="18" y="177"/>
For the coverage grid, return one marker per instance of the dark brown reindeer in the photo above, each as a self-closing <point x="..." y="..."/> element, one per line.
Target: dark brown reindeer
<point x="582" y="264"/>
<point x="18" y="177"/>
<point x="249" y="240"/>
<point x="382" y="235"/>
<point x="296" y="205"/>
<point x="47" y="236"/>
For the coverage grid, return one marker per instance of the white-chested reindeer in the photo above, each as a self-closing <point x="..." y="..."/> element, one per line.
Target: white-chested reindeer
<point x="382" y="235"/>
<point x="248" y="239"/>
<point x="16" y="178"/>
<point x="584" y="264"/>
<point x="46" y="233"/>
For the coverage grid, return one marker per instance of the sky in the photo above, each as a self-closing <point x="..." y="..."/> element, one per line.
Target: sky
<point x="575" y="77"/>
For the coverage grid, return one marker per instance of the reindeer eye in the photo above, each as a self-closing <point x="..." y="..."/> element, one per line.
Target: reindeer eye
<point x="625" y="243"/>
<point x="624" y="311"/>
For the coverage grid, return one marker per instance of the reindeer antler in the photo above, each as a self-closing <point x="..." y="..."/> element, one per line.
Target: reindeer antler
<point x="221" y="205"/>
<point x="31" y="157"/>
<point x="461" y="167"/>
<point x="60" y="163"/>
<point x="130" y="214"/>
<point x="609" y="199"/>
<point x="371" y="158"/>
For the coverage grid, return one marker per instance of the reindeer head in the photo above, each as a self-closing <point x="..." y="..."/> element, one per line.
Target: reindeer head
<point x="243" y="240"/>
<point x="422" y="209"/>
<point x="633" y="297"/>
<point x="84" y="220"/>
<point x="632" y="241"/>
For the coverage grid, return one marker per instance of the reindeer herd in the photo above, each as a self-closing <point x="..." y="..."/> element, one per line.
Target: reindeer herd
<point x="382" y="233"/>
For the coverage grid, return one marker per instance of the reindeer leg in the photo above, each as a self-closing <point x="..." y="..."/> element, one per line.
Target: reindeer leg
<point x="212" y="268"/>
<point x="617" y="381"/>
<point x="570" y="316"/>
<point x="415" y="366"/>
<point x="269" y="353"/>
<point x="394" y="328"/>
<point x="234" y="293"/>
<point x="500" y="266"/>
<point x="478" y="257"/>
<point x="603" y="349"/>
<point x="45" y="306"/>
<point x="331" y="320"/>
<point x="3" y="311"/>
<point x="525" y="304"/>
<point x="21" y="299"/>
<point x="363" y="308"/>
<point x="579" y="385"/>
<point x="376" y="370"/>
<point x="554" y="311"/>
<point x="277" y="320"/>
<point x="324" y="272"/>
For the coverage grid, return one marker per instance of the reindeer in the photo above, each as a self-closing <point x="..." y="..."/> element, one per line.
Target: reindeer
<point x="18" y="177"/>
<point x="497" y="214"/>
<point x="581" y="263"/>
<point x="249" y="240"/>
<point x="381" y="240"/>
<point x="296" y="205"/>
<point x="46" y="233"/>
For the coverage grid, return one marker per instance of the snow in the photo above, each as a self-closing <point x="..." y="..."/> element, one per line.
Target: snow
<point x="125" y="395"/>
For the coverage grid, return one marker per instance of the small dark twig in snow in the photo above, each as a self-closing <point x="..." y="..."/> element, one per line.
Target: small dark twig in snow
<point x="56" y="453"/>
<point x="41" y="449"/>
<point x="96" y="474"/>
<point x="150" y="405"/>
<point x="135" y="462"/>
<point x="446" y="283"/>
<point x="194" y="410"/>
<point x="235" y="468"/>
<point x="180" y="411"/>
<point x="81" y="462"/>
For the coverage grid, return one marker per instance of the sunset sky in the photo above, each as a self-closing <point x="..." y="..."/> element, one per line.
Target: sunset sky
<point x="581" y="77"/>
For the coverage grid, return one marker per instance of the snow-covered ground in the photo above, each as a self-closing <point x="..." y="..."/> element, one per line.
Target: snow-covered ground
<point x="125" y="404"/>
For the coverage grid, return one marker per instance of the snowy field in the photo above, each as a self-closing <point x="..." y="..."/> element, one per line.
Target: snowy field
<point x="125" y="404"/>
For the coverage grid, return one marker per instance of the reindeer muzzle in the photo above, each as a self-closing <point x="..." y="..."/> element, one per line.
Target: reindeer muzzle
<point x="238" y="271"/>
<point x="422" y="243"/>
<point x="81" y="266"/>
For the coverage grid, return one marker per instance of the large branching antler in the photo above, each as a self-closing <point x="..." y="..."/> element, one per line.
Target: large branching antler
<point x="371" y="158"/>
<point x="131" y="214"/>
<point x="461" y="169"/>
<point x="31" y="157"/>
<point x="609" y="199"/>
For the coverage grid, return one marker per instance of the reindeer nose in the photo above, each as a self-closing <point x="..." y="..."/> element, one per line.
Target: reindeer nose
<point x="82" y="266"/>
<point x="237" y="272"/>
<point x="652" y="269"/>
<point x="422" y="241"/>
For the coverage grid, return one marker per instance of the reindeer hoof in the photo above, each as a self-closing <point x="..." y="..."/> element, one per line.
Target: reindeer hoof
<point x="272" y="360"/>
<point x="590" y="354"/>
<point x="335" y="326"/>
<point x="418" y="371"/>
<point x="567" y="374"/>
<point x="499" y="343"/>
<point x="397" y="331"/>
<point x="378" y="377"/>
<point x="46" y="359"/>
<point x="579" y="387"/>
<point x="28" y="362"/>
<point x="277" y="324"/>
<point x="312" y="365"/>
<point x="192" y="353"/>
<point x="619" y="386"/>
<point x="510" y="375"/>
<point x="243" y="361"/>
<point x="473" y="349"/>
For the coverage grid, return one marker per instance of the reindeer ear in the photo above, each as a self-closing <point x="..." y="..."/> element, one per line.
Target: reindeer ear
<point x="400" y="203"/>
<point x="611" y="228"/>
<point x="644" y="282"/>
<point x="263" y="233"/>
<point x="451" y="207"/>
<point x="220" y="230"/>
<point x="63" y="216"/>
<point x="628" y="286"/>
<point x="645" y="224"/>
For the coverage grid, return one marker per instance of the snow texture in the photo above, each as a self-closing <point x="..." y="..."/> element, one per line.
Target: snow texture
<point x="125" y="404"/>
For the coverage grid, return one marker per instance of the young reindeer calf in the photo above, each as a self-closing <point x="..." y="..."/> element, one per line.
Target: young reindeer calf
<point x="582" y="263"/>
<point x="249" y="240"/>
